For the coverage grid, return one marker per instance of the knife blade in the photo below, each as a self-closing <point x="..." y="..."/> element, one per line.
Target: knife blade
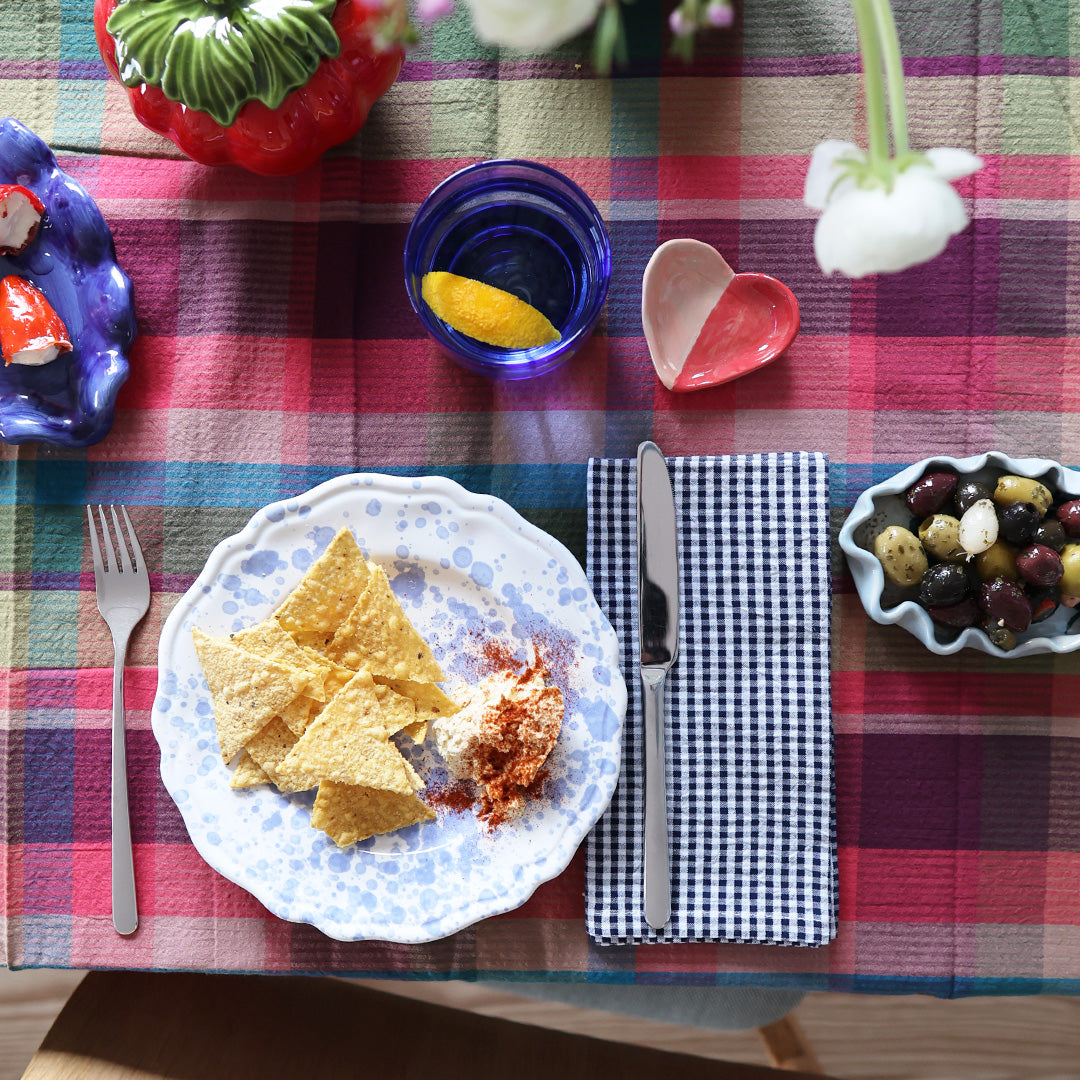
<point x="658" y="641"/>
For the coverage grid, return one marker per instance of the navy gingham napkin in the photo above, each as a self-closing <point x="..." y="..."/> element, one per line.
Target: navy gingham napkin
<point x="751" y="819"/>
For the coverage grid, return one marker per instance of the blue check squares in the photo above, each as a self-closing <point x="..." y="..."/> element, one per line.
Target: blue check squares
<point x="751" y="818"/>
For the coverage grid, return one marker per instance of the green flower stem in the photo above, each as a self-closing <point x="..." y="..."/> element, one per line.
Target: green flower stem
<point x="876" y="117"/>
<point x="894" y="73"/>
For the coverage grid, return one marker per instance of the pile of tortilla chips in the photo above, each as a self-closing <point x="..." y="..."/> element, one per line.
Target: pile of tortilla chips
<point x="310" y="697"/>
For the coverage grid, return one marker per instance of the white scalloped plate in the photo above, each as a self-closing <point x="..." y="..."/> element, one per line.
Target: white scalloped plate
<point x="883" y="505"/>
<point x="467" y="568"/>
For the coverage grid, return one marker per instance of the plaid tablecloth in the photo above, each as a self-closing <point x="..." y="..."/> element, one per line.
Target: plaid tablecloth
<point x="277" y="349"/>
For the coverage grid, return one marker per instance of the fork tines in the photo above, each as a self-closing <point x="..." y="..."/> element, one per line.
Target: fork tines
<point x="115" y="562"/>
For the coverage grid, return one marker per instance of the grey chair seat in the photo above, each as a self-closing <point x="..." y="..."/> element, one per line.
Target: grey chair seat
<point x="724" y="1008"/>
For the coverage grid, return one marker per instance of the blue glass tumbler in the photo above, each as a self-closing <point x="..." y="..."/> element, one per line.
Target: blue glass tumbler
<point x="524" y="228"/>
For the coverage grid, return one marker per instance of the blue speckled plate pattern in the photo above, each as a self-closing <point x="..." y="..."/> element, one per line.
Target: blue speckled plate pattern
<point x="466" y="568"/>
<point x="70" y="401"/>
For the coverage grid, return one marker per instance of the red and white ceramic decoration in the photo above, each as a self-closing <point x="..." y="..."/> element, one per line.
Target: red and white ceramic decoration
<point x="705" y="324"/>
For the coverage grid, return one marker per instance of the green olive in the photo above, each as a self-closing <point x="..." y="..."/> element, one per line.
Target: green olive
<point x="901" y="555"/>
<point x="1013" y="489"/>
<point x="1070" y="580"/>
<point x="998" y="560"/>
<point x="940" y="535"/>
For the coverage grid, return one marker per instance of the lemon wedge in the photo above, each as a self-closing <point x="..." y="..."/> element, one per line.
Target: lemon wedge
<point x="485" y="313"/>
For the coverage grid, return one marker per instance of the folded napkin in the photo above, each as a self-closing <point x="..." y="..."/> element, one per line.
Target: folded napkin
<point x="749" y="730"/>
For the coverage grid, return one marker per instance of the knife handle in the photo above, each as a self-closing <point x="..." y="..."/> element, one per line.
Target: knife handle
<point x="656" y="868"/>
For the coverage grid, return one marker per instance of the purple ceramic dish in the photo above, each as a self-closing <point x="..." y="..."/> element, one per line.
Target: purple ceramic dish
<point x="72" y="260"/>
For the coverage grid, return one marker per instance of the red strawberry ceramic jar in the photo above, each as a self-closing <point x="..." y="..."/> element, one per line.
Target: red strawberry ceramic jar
<point x="267" y="86"/>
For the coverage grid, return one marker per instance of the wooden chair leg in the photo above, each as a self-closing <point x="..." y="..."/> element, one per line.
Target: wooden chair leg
<point x="787" y="1047"/>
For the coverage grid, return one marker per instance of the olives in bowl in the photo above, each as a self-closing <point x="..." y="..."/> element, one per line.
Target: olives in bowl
<point x="972" y="552"/>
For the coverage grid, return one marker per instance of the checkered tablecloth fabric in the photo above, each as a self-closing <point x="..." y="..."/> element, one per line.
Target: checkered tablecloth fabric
<point x="277" y="348"/>
<point x="748" y="728"/>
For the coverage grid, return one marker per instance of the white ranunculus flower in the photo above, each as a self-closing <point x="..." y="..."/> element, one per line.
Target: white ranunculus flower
<point x="531" y="25"/>
<point x="871" y="231"/>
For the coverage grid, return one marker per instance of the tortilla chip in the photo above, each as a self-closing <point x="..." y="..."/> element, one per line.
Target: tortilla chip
<point x="248" y="772"/>
<point x="338" y="679"/>
<point x="313" y="641"/>
<point x="413" y="776"/>
<point x="297" y="715"/>
<point x="269" y="640"/>
<point x="269" y="748"/>
<point x="416" y="731"/>
<point x="248" y="691"/>
<point x="346" y="743"/>
<point x="396" y="711"/>
<point x="348" y="814"/>
<point x="377" y="635"/>
<point x="430" y="701"/>
<point x="328" y="590"/>
<point x="316" y="659"/>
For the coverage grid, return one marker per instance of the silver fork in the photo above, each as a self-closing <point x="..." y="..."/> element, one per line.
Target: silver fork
<point x="123" y="597"/>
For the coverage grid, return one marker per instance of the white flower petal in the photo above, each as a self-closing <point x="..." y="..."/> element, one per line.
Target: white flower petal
<point x="928" y="203"/>
<point x="531" y="25"/>
<point x="822" y="173"/>
<point x="952" y="164"/>
<point x="873" y="232"/>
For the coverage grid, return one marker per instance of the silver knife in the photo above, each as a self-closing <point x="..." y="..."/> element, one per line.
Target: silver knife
<point x="658" y="638"/>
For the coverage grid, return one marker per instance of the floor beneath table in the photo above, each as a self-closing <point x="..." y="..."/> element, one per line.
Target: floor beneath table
<point x="856" y="1037"/>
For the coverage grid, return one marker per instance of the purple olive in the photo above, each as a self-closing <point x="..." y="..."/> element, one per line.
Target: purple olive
<point x="1040" y="565"/>
<point x="965" y="613"/>
<point x="928" y="495"/>
<point x="1006" y="605"/>
<point x="1069" y="516"/>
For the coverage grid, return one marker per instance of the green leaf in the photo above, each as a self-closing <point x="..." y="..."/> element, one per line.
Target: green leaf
<point x="277" y="70"/>
<point x="216" y="55"/>
<point x="210" y="67"/>
<point x="293" y="25"/>
<point x="143" y="35"/>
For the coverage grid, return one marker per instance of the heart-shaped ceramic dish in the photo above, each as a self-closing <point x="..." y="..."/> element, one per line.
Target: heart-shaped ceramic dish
<point x="705" y="324"/>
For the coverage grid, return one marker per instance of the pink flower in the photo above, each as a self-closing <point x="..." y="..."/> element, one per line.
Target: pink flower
<point x="681" y="24"/>
<point x="432" y="10"/>
<point x="719" y="13"/>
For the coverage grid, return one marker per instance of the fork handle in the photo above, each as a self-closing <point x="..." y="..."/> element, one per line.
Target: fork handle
<point x="124" y="911"/>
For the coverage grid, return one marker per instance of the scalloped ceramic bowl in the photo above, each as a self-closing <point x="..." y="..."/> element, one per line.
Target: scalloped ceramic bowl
<point x="883" y="505"/>
<point x="71" y="401"/>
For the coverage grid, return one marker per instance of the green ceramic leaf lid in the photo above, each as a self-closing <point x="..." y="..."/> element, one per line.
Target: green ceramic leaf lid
<point x="215" y="55"/>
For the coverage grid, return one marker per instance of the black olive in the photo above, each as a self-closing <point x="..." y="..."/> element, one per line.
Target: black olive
<point x="942" y="585"/>
<point x="968" y="493"/>
<point x="1018" y="522"/>
<point x="1051" y="534"/>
